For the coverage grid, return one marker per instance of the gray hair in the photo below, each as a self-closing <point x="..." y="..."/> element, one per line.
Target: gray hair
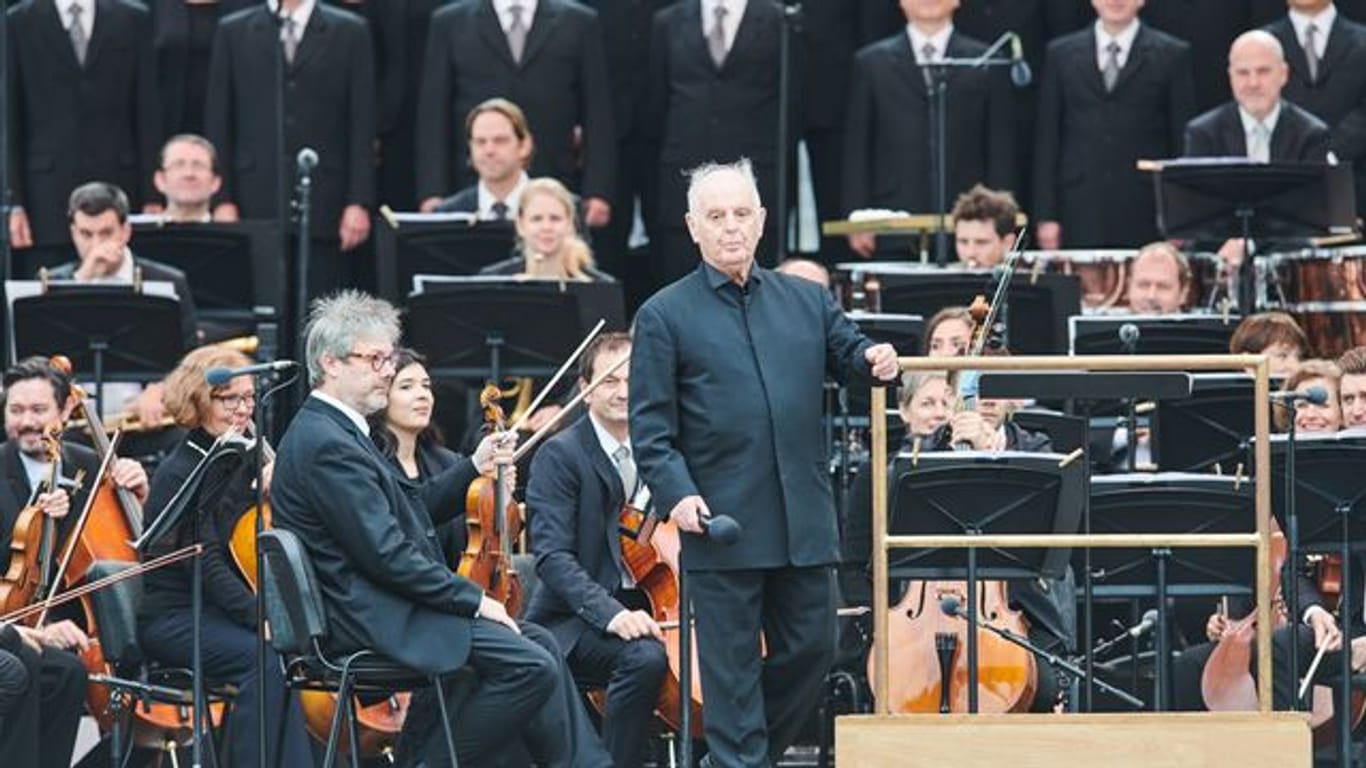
<point x="335" y="323"/>
<point x="699" y="174"/>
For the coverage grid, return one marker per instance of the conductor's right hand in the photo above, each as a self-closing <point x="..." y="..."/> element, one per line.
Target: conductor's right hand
<point x="863" y="244"/>
<point x="20" y="234"/>
<point x="492" y="610"/>
<point x="632" y="625"/>
<point x="688" y="513"/>
<point x="1216" y="626"/>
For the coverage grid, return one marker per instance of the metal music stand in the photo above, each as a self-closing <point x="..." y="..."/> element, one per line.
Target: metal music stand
<point x="1222" y="198"/>
<point x="1166" y="503"/>
<point x="230" y="268"/>
<point x="408" y="244"/>
<point x="1326" y="513"/>
<point x="972" y="493"/>
<point x="110" y="332"/>
<point x="1158" y="334"/>
<point x="1211" y="429"/>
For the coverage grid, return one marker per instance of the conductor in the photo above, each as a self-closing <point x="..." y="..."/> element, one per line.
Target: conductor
<point x="726" y="391"/>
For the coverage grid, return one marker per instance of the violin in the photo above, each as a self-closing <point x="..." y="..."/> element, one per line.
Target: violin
<point x="32" y="541"/>
<point x="492" y="522"/>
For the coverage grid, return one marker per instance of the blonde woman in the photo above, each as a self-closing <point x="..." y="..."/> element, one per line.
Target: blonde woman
<point x="548" y="238"/>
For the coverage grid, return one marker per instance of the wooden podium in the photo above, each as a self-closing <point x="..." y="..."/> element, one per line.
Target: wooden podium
<point x="1172" y="740"/>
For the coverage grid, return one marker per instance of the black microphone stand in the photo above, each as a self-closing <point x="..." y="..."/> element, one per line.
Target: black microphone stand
<point x="938" y="87"/>
<point x="303" y="193"/>
<point x="791" y="22"/>
<point x="6" y="262"/>
<point x="1292" y="536"/>
<point x="1052" y="659"/>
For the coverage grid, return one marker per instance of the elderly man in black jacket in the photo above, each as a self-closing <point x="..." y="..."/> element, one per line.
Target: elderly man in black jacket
<point x="727" y="375"/>
<point x="385" y="582"/>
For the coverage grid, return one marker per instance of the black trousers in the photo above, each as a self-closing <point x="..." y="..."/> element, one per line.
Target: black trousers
<point x="632" y="672"/>
<point x="229" y="655"/>
<point x="524" y="690"/>
<point x="42" y="698"/>
<point x="753" y="707"/>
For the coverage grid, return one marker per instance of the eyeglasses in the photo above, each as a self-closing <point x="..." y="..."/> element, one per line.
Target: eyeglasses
<point x="233" y="402"/>
<point x="378" y="360"/>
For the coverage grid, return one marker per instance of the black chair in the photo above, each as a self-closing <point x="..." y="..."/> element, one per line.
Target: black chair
<point x="133" y="679"/>
<point x="298" y="632"/>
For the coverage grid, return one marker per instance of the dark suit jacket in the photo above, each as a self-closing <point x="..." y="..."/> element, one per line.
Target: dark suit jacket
<point x="464" y="201"/>
<point x="1210" y="29"/>
<point x="561" y="84"/>
<point x="626" y="41"/>
<point x="387" y="20"/>
<point x="372" y="540"/>
<point x="1338" y="96"/>
<point x="1299" y="137"/>
<point x="577" y="496"/>
<point x="433" y="461"/>
<point x="889" y="152"/>
<point x="329" y="106"/>
<point x="15" y="490"/>
<point x="698" y="113"/>
<point x="70" y="124"/>
<point x="153" y="270"/>
<point x="171" y="42"/>
<point x="726" y="402"/>
<point x="1088" y="140"/>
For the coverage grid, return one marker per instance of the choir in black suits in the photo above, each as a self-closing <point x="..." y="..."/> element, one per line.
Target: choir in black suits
<point x="561" y="83"/>
<point x="577" y="496"/>
<point x="1210" y="29"/>
<point x="69" y="124"/>
<point x="1088" y="139"/>
<point x="1337" y="96"/>
<point x="700" y="113"/>
<point x="182" y="36"/>
<point x="1298" y="137"/>
<point x="889" y="152"/>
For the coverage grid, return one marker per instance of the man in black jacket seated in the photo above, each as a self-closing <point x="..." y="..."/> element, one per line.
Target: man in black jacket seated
<point x="580" y="480"/>
<point x="372" y="540"/>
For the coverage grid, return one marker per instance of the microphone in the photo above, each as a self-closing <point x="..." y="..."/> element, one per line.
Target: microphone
<point x="1145" y="625"/>
<point x="722" y="529"/>
<point x="1313" y="396"/>
<point x="306" y="161"/>
<point x="217" y="377"/>
<point x="949" y="605"/>
<point x="1129" y="335"/>
<point x="1020" y="73"/>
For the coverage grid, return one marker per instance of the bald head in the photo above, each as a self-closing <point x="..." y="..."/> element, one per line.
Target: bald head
<point x="1257" y="72"/>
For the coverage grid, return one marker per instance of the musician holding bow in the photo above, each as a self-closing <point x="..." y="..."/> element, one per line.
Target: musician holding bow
<point x="726" y="390"/>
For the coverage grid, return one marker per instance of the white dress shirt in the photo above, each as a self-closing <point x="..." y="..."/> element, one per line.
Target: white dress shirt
<point x="736" y="11"/>
<point x="1250" y="124"/>
<point x="351" y="413"/>
<point x="940" y="41"/>
<point x="512" y="201"/>
<point x="300" y="15"/>
<point x="1323" y="23"/>
<point x="87" y="14"/>
<point x="1125" y="38"/>
<point x="504" y="10"/>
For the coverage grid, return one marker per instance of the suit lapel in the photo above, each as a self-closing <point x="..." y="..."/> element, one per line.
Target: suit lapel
<point x="315" y="39"/>
<point x="1083" y="58"/>
<point x="744" y="34"/>
<point x="16" y="480"/>
<point x="909" y="69"/>
<point x="58" y="39"/>
<point x="548" y="15"/>
<point x="492" y="31"/>
<point x="1337" y="47"/>
<point x="265" y="37"/>
<point x="1138" y="56"/>
<point x="607" y="474"/>
<point x="1283" y="134"/>
<point x="104" y="13"/>
<point x="1235" y="137"/>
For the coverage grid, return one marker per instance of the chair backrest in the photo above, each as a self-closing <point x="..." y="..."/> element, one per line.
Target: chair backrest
<point x="116" y="614"/>
<point x="525" y="567"/>
<point x="294" y="606"/>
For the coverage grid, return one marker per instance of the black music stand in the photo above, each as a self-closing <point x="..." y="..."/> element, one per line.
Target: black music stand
<point x="1222" y="198"/>
<point x="414" y="244"/>
<point x="1157" y="334"/>
<point x="1039" y="308"/>
<point x="230" y="268"/>
<point x="1208" y="430"/>
<point x="1326" y="513"/>
<point x="1168" y="503"/>
<point x="970" y="493"/>
<point x="110" y="332"/>
<point x="487" y="327"/>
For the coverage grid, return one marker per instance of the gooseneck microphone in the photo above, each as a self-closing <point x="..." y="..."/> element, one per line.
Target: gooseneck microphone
<point x="1020" y="73"/>
<point x="1312" y="395"/>
<point x="217" y="377"/>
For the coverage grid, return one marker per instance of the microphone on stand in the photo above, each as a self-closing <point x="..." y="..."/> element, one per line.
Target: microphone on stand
<point x="217" y="377"/>
<point x="1312" y="395"/>
<point x="1020" y="73"/>
<point x="306" y="161"/>
<point x="1129" y="334"/>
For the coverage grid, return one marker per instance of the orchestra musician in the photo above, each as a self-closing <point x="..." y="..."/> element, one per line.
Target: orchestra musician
<point x="371" y="539"/>
<point x="548" y="238"/>
<point x="579" y="482"/>
<point x="1274" y="334"/>
<point x="726" y="400"/>
<point x="949" y="332"/>
<point x="42" y="693"/>
<point x="228" y="618"/>
<point x="1352" y="387"/>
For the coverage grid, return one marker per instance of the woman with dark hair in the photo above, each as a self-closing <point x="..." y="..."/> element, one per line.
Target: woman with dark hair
<point x="1274" y="334"/>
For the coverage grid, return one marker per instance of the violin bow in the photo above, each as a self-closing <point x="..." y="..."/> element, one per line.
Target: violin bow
<point x="569" y="406"/>
<point x="536" y="403"/>
<point x="41" y="608"/>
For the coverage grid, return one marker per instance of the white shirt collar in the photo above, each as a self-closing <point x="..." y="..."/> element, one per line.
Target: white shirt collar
<point x="735" y="12"/>
<point x="609" y="444"/>
<point x="1125" y="38"/>
<point x="301" y="15"/>
<point x="1323" y="21"/>
<point x="87" y="14"/>
<point x="504" y="10"/>
<point x="940" y="41"/>
<point x="350" y="413"/>
<point x="513" y="200"/>
<point x="37" y="471"/>
<point x="1250" y="122"/>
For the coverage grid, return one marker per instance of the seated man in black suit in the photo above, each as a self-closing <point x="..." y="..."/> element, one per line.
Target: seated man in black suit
<point x="42" y="693"/>
<point x="372" y="539"/>
<point x="500" y="148"/>
<point x="1258" y="123"/>
<point x="580" y="479"/>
